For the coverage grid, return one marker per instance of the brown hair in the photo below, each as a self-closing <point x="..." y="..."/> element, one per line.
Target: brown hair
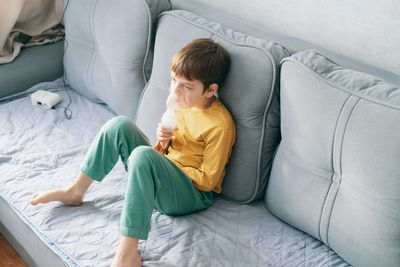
<point x="202" y="59"/>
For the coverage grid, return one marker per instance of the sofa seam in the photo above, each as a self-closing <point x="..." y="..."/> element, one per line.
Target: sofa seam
<point x="346" y="68"/>
<point x="340" y="169"/>
<point x="149" y="34"/>
<point x="94" y="51"/>
<point x="172" y="13"/>
<point x="333" y="172"/>
<point x="140" y="99"/>
<point x="363" y="97"/>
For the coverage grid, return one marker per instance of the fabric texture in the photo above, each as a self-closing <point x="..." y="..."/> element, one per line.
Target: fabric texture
<point x="336" y="171"/>
<point x="249" y="92"/>
<point x="25" y="23"/>
<point x="202" y="145"/>
<point x="40" y="150"/>
<point x="48" y="68"/>
<point x="116" y="139"/>
<point x="153" y="180"/>
<point x="108" y="44"/>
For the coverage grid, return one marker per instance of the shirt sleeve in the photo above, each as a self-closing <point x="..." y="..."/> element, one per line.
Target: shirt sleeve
<point x="158" y="146"/>
<point x="218" y="147"/>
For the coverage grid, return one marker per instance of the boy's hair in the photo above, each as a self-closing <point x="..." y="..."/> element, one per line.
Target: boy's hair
<point x="202" y="59"/>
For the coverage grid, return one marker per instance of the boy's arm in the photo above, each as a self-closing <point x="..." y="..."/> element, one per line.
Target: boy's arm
<point x="216" y="155"/>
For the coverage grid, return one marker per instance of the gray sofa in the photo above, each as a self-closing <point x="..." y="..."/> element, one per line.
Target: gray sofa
<point x="313" y="176"/>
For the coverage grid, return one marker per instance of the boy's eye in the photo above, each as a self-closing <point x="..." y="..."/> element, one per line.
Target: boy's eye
<point x="187" y="86"/>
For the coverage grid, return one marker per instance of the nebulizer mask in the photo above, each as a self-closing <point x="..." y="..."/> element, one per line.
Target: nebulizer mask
<point x="169" y="118"/>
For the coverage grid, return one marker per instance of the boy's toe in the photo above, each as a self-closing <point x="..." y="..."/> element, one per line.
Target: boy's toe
<point x="33" y="200"/>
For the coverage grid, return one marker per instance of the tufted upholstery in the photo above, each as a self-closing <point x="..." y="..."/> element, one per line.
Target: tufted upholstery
<point x="249" y="92"/>
<point x="107" y="46"/>
<point x="336" y="172"/>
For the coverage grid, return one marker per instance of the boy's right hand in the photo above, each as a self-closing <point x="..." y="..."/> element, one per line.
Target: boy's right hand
<point x="164" y="135"/>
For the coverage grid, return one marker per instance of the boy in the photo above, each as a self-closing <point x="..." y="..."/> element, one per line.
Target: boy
<point x="177" y="180"/>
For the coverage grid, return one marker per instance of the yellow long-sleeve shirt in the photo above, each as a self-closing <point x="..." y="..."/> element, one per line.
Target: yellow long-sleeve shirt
<point x="202" y="145"/>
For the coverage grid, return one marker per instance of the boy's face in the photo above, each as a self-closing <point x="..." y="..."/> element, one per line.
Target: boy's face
<point x="186" y="93"/>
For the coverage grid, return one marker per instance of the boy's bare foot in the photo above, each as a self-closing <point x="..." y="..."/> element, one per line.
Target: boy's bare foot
<point x="66" y="196"/>
<point x="126" y="260"/>
<point x="127" y="253"/>
<point x="70" y="196"/>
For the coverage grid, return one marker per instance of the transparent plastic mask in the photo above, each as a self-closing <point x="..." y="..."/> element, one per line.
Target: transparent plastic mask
<point x="169" y="118"/>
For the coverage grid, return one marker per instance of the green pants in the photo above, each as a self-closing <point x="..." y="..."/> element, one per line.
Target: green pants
<point x="153" y="180"/>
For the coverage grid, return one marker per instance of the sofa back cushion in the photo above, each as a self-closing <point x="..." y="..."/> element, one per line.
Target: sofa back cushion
<point x="248" y="92"/>
<point x="107" y="46"/>
<point x="336" y="172"/>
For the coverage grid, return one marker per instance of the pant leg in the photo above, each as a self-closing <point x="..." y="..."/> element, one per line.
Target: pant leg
<point x="154" y="181"/>
<point x="117" y="138"/>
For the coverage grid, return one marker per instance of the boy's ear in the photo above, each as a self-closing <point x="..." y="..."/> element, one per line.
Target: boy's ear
<point x="212" y="89"/>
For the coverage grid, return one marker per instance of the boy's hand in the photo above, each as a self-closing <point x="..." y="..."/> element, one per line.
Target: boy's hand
<point x="164" y="135"/>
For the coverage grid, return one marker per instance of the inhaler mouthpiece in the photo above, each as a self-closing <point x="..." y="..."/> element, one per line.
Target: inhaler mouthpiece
<point x="169" y="118"/>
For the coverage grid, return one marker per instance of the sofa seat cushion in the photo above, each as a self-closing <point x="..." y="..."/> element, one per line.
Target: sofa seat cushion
<point x="336" y="171"/>
<point x="249" y="92"/>
<point x="36" y="158"/>
<point x="107" y="46"/>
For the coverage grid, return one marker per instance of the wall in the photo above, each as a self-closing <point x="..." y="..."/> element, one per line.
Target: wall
<point x="366" y="31"/>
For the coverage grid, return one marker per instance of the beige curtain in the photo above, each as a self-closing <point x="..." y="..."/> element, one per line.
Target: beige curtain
<point x="28" y="23"/>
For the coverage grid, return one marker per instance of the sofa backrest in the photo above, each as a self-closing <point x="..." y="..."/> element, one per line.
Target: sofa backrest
<point x="249" y="92"/>
<point x="107" y="46"/>
<point x="336" y="172"/>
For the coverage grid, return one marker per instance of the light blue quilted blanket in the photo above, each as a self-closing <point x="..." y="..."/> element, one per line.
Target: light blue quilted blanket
<point x="40" y="149"/>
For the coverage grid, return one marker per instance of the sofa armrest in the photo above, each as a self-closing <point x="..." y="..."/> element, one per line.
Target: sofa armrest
<point x="33" y="65"/>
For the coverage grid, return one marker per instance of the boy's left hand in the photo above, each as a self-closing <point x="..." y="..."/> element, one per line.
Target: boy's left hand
<point x="164" y="134"/>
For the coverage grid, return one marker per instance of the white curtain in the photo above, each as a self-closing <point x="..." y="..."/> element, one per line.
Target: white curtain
<point x="28" y="23"/>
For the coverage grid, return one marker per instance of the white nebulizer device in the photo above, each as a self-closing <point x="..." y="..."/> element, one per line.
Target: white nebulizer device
<point x="45" y="99"/>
